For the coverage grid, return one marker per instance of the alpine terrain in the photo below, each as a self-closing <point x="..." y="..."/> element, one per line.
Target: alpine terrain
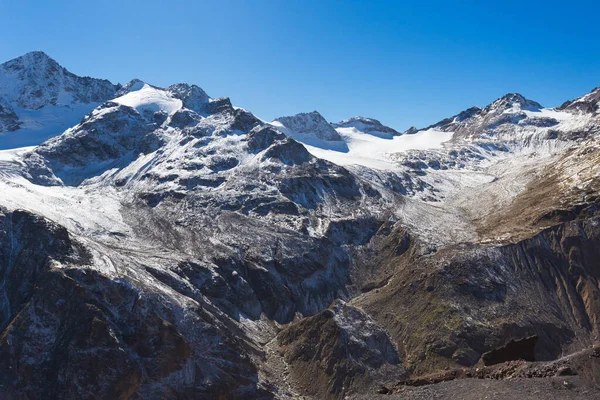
<point x="159" y="243"/>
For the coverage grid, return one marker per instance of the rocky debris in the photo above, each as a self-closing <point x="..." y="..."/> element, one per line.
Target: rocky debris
<point x="565" y="371"/>
<point x="29" y="245"/>
<point x="494" y="287"/>
<point x="72" y="332"/>
<point x="572" y="365"/>
<point x="383" y="390"/>
<point x="337" y="351"/>
<point x="510" y="389"/>
<point x="519" y="349"/>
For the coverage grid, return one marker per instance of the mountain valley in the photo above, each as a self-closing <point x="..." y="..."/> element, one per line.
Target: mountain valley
<point x="160" y="243"/>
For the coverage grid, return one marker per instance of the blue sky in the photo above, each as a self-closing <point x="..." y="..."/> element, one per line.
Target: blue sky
<point x="405" y="63"/>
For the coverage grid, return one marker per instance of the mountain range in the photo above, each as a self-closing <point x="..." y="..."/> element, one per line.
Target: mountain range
<point x="161" y="243"/>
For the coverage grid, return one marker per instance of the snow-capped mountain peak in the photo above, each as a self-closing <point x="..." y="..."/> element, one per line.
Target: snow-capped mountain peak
<point x="588" y="103"/>
<point x="145" y="98"/>
<point x="192" y="96"/>
<point x="310" y="124"/>
<point x="39" y="99"/>
<point x="368" y="125"/>
<point x="35" y="80"/>
<point x="132" y="86"/>
<point x="514" y="101"/>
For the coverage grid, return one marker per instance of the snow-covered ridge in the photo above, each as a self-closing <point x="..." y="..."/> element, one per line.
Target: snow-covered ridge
<point x="368" y="125"/>
<point x="356" y="141"/>
<point x="40" y="99"/>
<point x="144" y="97"/>
<point x="308" y="124"/>
<point x="373" y="151"/>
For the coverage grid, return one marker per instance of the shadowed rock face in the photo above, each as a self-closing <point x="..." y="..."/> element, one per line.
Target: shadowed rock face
<point x="70" y="332"/>
<point x="520" y="349"/>
<point x="468" y="300"/>
<point x="336" y="350"/>
<point x="29" y="244"/>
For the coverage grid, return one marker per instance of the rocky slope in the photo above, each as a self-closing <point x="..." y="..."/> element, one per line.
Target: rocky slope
<point x="311" y="128"/>
<point x="368" y="125"/>
<point x="39" y="99"/>
<point x="171" y="245"/>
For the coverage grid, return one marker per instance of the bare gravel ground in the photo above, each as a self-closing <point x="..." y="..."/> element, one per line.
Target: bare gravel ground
<point x="513" y="389"/>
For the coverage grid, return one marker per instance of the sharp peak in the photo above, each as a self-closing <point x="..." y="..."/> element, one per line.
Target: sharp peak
<point x="594" y="91"/>
<point x="187" y="88"/>
<point x="184" y="85"/>
<point x="33" y="59"/>
<point x="314" y="113"/>
<point x="33" y="56"/>
<point x="360" y="118"/>
<point x="461" y="116"/>
<point x="37" y="53"/>
<point x="514" y="98"/>
<point x="410" y="131"/>
<point x="131" y="86"/>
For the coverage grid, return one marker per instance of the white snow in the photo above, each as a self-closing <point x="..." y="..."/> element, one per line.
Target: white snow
<point x="373" y="151"/>
<point x="147" y="97"/>
<point x="40" y="125"/>
<point x="82" y="211"/>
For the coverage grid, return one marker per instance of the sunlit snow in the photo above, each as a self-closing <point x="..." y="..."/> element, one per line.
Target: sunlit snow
<point x="150" y="98"/>
<point x="374" y="151"/>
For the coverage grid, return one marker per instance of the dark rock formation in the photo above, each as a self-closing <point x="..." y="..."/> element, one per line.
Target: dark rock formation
<point x="338" y="350"/>
<point x="519" y="349"/>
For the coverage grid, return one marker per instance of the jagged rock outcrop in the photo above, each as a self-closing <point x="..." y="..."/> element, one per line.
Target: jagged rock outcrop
<point x="467" y="300"/>
<point x="311" y="124"/>
<point x="337" y="351"/>
<point x="368" y="125"/>
<point x="72" y="332"/>
<point x="520" y="349"/>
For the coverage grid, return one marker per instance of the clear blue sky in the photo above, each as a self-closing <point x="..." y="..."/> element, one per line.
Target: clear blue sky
<point x="405" y="63"/>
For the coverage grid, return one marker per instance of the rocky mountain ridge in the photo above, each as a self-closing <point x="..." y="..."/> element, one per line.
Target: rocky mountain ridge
<point x="39" y="99"/>
<point x="193" y="250"/>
